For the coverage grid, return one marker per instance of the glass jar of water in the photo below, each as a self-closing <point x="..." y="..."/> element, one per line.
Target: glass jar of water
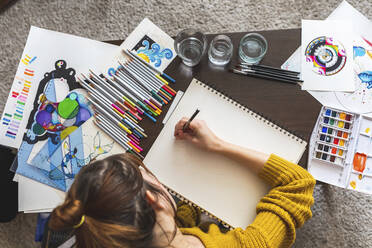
<point x="190" y="45"/>
<point x="220" y="50"/>
<point x="252" y="48"/>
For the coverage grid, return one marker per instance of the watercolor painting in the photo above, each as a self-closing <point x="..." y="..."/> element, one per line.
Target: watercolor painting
<point x="360" y="100"/>
<point x="57" y="111"/>
<point x="152" y="52"/>
<point x="76" y="151"/>
<point x="59" y="108"/>
<point x="150" y="43"/>
<point x="327" y="55"/>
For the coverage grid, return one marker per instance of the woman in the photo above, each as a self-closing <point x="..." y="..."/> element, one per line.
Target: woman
<point x="117" y="202"/>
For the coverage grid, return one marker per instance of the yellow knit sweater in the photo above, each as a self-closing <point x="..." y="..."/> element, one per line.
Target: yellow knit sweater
<point x="285" y="208"/>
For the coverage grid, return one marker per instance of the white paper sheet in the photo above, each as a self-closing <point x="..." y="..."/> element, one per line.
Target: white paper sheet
<point x="361" y="27"/>
<point x="43" y="48"/>
<point x="150" y="43"/>
<point x="221" y="186"/>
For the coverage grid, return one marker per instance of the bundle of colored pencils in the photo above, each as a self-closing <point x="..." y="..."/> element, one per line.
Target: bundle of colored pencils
<point x="136" y="91"/>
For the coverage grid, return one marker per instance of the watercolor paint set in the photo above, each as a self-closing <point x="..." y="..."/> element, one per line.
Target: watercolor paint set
<point x="340" y="151"/>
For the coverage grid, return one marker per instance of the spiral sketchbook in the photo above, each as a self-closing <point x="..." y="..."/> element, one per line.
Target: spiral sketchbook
<point x="220" y="187"/>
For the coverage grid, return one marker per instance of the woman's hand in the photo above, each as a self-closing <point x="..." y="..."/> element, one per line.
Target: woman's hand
<point x="198" y="133"/>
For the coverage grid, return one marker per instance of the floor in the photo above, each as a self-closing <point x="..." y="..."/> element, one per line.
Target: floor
<point x="341" y="218"/>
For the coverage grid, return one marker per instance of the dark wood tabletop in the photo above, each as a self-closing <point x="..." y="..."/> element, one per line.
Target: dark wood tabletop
<point x="284" y="104"/>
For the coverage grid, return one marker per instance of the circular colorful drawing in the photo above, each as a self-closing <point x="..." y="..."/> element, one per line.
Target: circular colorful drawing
<point x="327" y="55"/>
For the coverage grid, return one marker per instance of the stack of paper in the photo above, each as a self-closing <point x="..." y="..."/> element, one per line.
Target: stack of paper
<point x="48" y="117"/>
<point x="352" y="91"/>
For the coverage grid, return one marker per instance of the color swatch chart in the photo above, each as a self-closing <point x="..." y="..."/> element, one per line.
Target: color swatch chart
<point x="334" y="131"/>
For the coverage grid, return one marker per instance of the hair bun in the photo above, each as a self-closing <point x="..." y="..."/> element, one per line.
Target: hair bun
<point x="66" y="215"/>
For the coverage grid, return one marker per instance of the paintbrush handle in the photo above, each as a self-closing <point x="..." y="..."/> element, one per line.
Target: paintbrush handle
<point x="266" y="77"/>
<point x="266" y="67"/>
<point x="269" y="74"/>
<point x="273" y="73"/>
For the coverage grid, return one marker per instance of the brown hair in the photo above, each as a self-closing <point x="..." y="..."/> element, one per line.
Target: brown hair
<point x="111" y="195"/>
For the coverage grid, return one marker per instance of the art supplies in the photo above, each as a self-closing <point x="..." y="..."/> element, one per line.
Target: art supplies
<point x="50" y="102"/>
<point x="43" y="67"/>
<point x="340" y="152"/>
<point x="122" y="101"/>
<point x="266" y="74"/>
<point x="212" y="182"/>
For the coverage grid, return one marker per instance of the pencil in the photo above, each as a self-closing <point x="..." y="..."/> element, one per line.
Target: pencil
<point x="150" y="66"/>
<point x="187" y="124"/>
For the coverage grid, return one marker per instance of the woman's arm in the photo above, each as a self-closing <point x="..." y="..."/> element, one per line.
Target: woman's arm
<point x="199" y="134"/>
<point x="287" y="205"/>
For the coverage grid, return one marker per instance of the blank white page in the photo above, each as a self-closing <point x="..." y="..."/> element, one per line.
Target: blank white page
<point x="221" y="186"/>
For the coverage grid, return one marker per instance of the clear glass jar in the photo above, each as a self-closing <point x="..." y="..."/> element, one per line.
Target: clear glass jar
<point x="220" y="50"/>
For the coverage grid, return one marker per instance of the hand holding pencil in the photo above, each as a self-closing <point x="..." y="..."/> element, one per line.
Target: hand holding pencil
<point x="198" y="133"/>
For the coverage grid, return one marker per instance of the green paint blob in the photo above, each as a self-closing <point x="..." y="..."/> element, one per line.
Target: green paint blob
<point x="68" y="108"/>
<point x="38" y="129"/>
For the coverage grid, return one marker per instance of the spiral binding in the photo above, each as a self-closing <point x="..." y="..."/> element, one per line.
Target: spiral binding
<point x="214" y="89"/>
<point x="210" y="215"/>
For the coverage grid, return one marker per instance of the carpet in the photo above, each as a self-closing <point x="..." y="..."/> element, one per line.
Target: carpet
<point x="341" y="218"/>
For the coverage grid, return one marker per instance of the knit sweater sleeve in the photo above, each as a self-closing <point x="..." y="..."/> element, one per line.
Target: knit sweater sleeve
<point x="287" y="205"/>
<point x="285" y="208"/>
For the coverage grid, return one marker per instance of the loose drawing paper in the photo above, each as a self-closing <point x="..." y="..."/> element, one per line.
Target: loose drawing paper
<point x="150" y="43"/>
<point x="327" y="59"/>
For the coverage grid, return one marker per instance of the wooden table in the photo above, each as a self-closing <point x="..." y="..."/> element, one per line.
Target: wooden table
<point x="285" y="104"/>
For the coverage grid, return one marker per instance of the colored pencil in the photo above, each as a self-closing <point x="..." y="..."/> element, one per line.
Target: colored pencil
<point x="134" y="127"/>
<point x="110" y="133"/>
<point x="141" y="82"/>
<point x="113" y="128"/>
<point x="151" y="67"/>
<point x="160" y="82"/>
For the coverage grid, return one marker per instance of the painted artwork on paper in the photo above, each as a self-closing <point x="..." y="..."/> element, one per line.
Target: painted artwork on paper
<point x="360" y="100"/>
<point x="150" y="43"/>
<point x="152" y="52"/>
<point x="76" y="151"/>
<point x="58" y="110"/>
<point x="327" y="55"/>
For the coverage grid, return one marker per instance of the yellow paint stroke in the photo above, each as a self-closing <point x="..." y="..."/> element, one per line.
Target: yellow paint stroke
<point x="144" y="57"/>
<point x="369" y="52"/>
<point x="67" y="131"/>
<point x="353" y="184"/>
<point x="368" y="129"/>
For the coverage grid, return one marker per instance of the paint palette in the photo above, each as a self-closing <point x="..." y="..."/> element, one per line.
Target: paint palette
<point x="340" y="150"/>
<point x="333" y="129"/>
